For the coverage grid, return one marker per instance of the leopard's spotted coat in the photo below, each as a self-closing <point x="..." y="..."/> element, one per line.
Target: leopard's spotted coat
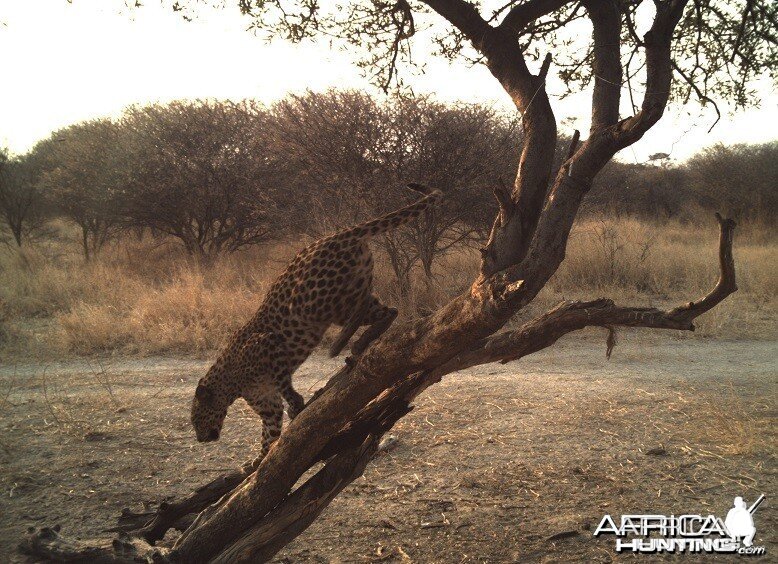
<point x="328" y="282"/>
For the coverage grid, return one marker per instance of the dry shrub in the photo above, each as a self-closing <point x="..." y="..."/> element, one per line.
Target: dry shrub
<point x="605" y="255"/>
<point x="148" y="297"/>
<point x="452" y="274"/>
<point x="661" y="259"/>
<point x="190" y="309"/>
<point x="133" y="299"/>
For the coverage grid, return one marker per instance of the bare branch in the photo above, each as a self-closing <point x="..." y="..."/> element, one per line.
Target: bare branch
<point x="700" y="94"/>
<point x="544" y="331"/>
<point x="726" y="284"/>
<point x="521" y="15"/>
<point x="465" y="17"/>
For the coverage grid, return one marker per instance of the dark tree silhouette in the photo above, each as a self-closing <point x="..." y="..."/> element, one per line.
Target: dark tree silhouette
<point x="22" y="202"/>
<point x="739" y="179"/>
<point x="84" y="168"/>
<point x="203" y="173"/>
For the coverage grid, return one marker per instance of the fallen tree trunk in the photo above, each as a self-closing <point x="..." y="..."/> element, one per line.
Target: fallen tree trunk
<point x="47" y="544"/>
<point x="152" y="526"/>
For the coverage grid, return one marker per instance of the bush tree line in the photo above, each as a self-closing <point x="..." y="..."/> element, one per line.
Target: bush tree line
<point x="218" y="176"/>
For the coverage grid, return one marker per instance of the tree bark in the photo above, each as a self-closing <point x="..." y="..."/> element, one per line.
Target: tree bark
<point x="301" y="508"/>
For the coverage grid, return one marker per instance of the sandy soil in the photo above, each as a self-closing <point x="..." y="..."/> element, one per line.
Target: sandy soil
<point x="490" y="466"/>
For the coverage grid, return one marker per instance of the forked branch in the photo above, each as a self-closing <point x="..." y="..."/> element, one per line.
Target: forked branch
<point x="526" y="12"/>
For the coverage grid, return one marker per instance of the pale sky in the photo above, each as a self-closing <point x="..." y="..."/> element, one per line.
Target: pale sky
<point x="63" y="63"/>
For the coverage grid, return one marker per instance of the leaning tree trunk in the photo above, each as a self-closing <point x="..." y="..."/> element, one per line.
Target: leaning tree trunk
<point x="249" y="515"/>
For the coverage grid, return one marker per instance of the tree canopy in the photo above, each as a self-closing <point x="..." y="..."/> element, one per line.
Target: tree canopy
<point x="719" y="48"/>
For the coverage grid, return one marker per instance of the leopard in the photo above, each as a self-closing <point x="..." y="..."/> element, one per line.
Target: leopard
<point x="329" y="282"/>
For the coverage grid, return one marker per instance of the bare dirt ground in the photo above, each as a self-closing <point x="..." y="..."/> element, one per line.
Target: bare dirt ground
<point x="502" y="463"/>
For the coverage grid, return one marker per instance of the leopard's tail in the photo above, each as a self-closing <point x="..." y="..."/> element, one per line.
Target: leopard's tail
<point x="401" y="216"/>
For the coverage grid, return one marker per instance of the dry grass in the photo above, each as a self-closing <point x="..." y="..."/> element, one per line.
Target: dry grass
<point x="143" y="297"/>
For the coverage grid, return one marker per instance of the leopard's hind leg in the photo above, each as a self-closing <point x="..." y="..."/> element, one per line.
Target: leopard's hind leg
<point x="379" y="317"/>
<point x="354" y="322"/>
<point x="295" y="402"/>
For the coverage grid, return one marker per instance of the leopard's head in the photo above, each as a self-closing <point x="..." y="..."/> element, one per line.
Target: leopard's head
<point x="209" y="408"/>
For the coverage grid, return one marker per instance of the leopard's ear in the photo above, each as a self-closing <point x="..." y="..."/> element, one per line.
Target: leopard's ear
<point x="203" y="393"/>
